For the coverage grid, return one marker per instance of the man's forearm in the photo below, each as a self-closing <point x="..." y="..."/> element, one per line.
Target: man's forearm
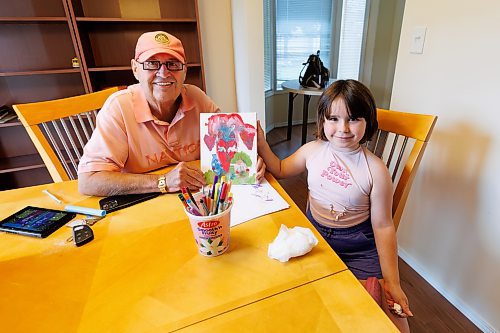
<point x="106" y="183"/>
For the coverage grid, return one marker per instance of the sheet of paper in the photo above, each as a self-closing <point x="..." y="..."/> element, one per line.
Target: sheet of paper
<point x="251" y="201"/>
<point x="228" y="146"/>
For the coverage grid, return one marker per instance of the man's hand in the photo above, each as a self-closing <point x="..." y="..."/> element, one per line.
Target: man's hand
<point x="184" y="175"/>
<point x="261" y="168"/>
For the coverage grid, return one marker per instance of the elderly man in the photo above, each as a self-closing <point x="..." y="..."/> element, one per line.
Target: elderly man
<point x="148" y="126"/>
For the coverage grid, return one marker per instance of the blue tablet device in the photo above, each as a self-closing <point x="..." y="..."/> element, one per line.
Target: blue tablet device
<point x="35" y="221"/>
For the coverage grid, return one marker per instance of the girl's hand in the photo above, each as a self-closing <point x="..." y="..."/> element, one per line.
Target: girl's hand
<point x="261" y="169"/>
<point x="261" y="138"/>
<point x="394" y="294"/>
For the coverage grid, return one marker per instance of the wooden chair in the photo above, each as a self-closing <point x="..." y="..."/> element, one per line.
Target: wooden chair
<point x="400" y="142"/>
<point x="67" y="124"/>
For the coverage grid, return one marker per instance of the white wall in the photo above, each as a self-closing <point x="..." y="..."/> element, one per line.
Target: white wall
<point x="450" y="232"/>
<point x="248" y="39"/>
<point x="232" y="34"/>
<point x="381" y="48"/>
<point x="218" y="52"/>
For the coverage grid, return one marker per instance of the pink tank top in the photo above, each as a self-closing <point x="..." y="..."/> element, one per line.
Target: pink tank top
<point x="339" y="185"/>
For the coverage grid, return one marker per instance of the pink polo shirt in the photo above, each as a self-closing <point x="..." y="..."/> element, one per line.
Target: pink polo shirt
<point x="129" y="138"/>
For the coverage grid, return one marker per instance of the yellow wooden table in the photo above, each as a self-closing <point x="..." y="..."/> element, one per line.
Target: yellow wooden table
<point x="142" y="272"/>
<point x="336" y="303"/>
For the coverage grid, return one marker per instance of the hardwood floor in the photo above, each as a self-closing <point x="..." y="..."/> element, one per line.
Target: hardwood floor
<point x="433" y="313"/>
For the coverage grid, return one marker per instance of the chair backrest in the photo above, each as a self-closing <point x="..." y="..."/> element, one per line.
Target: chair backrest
<point x="400" y="142"/>
<point x="61" y="128"/>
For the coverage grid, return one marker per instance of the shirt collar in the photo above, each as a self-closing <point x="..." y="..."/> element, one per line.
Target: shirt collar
<point x="142" y="111"/>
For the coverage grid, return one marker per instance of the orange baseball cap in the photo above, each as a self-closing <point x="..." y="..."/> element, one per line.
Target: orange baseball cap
<point x="155" y="42"/>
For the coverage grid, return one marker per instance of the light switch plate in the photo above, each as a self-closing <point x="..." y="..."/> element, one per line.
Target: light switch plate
<point x="417" y="40"/>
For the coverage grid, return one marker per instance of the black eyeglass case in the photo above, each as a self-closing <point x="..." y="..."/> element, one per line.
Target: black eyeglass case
<point x="117" y="202"/>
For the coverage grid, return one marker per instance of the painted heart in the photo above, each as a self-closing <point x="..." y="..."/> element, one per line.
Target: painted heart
<point x="247" y="138"/>
<point x="209" y="141"/>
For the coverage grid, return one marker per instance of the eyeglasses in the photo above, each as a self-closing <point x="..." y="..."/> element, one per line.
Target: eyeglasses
<point x="154" y="65"/>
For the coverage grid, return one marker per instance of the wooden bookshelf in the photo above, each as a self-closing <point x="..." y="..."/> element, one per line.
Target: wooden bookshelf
<point x="16" y="20"/>
<point x="108" y="33"/>
<point x="39" y="40"/>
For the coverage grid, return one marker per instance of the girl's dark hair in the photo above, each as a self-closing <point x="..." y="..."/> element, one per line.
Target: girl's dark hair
<point x="359" y="101"/>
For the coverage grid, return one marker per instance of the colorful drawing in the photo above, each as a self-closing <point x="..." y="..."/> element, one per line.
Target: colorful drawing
<point x="229" y="146"/>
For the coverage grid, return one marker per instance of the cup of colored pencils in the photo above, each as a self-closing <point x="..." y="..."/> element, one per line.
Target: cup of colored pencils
<point x="209" y="212"/>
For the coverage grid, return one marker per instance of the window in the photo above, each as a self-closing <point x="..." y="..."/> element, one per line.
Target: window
<point x="294" y="29"/>
<point x="268" y="45"/>
<point x="351" y="38"/>
<point x="302" y="28"/>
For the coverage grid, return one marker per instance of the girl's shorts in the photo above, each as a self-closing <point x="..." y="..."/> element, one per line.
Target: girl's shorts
<point x="354" y="245"/>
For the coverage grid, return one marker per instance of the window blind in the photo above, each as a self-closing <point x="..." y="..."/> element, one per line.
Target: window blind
<point x="351" y="38"/>
<point x="268" y="45"/>
<point x="302" y="28"/>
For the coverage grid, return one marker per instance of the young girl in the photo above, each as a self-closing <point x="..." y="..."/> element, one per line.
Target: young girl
<point x="350" y="189"/>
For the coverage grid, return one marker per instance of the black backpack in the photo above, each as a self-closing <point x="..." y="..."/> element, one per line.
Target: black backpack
<point x="316" y="75"/>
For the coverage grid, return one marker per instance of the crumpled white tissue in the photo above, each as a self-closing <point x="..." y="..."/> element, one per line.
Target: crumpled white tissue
<point x="291" y="243"/>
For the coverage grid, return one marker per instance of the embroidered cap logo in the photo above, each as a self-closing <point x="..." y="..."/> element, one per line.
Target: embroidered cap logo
<point x="162" y="38"/>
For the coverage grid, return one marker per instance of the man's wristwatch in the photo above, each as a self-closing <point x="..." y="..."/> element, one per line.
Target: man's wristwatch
<point x="162" y="184"/>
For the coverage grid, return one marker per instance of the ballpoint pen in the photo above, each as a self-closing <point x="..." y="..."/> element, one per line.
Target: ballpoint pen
<point x="53" y="197"/>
